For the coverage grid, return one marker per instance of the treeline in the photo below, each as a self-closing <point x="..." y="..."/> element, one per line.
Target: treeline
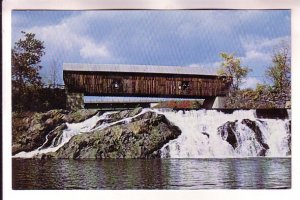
<point x="275" y="94"/>
<point x="29" y="93"/>
<point x="39" y="99"/>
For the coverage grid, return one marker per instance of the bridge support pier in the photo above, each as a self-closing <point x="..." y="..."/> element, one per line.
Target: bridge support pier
<point x="214" y="102"/>
<point x="75" y="101"/>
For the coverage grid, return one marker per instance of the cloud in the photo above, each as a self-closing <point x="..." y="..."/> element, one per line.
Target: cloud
<point x="250" y="82"/>
<point x="63" y="38"/>
<point x="259" y="43"/>
<point x="156" y="37"/>
<point x="91" y="50"/>
<point x="252" y="56"/>
<point x="258" y="52"/>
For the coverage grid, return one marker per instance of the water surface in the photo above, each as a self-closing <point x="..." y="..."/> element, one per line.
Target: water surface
<point x="211" y="173"/>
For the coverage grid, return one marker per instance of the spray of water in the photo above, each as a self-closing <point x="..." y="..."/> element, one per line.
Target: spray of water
<point x="73" y="129"/>
<point x="199" y="138"/>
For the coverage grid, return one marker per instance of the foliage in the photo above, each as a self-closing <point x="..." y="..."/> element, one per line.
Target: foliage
<point x="280" y="71"/>
<point x="231" y="67"/>
<point x="28" y="93"/>
<point x="26" y="57"/>
<point x="26" y="81"/>
<point x="183" y="104"/>
<point x="263" y="96"/>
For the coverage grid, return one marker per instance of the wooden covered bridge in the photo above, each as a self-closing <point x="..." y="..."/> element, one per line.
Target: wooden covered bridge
<point x="113" y="84"/>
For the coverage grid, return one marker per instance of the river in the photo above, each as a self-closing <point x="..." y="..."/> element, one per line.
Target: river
<point x="108" y="174"/>
<point x="215" y="150"/>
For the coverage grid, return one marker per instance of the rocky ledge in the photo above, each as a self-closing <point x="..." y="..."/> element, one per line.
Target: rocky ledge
<point x="29" y="130"/>
<point x="229" y="130"/>
<point x="140" y="137"/>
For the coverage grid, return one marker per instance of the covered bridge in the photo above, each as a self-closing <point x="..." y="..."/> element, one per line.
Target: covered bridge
<point x="141" y="83"/>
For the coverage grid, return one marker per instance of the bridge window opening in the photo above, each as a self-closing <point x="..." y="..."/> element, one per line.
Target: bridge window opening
<point x="116" y="84"/>
<point x="185" y="85"/>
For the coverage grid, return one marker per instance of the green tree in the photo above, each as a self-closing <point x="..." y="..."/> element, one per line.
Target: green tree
<point x="231" y="67"/>
<point x="280" y="70"/>
<point x="26" y="81"/>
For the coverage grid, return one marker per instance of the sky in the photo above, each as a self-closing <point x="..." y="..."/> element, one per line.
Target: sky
<point x="157" y="37"/>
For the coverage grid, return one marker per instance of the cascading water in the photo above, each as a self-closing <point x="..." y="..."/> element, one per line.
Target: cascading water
<point x="205" y="134"/>
<point x="72" y="130"/>
<point x="76" y="129"/>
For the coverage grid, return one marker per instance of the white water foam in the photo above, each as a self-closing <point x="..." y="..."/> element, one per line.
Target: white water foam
<point x="200" y="138"/>
<point x="76" y="129"/>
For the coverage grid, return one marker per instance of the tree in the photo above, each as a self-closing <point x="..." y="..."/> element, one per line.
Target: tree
<point x="26" y="58"/>
<point x="231" y="67"/>
<point x="280" y="71"/>
<point x="53" y="73"/>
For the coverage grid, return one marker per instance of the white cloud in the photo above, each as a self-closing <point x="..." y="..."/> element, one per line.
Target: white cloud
<point x="64" y="38"/>
<point x="252" y="56"/>
<point x="258" y="50"/>
<point x="262" y="44"/>
<point x="91" y="50"/>
<point x="250" y="82"/>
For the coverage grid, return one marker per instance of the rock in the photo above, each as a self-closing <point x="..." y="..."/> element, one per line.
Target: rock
<point x="123" y="115"/>
<point x="80" y="115"/>
<point x="54" y="136"/>
<point x="227" y="132"/>
<point x="29" y="132"/>
<point x="141" y="138"/>
<point x="258" y="134"/>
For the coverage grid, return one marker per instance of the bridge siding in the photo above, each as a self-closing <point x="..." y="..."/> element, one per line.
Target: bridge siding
<point x="140" y="84"/>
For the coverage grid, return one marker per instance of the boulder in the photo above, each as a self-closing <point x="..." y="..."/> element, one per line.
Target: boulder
<point x="227" y="132"/>
<point x="124" y="114"/>
<point x="229" y="129"/>
<point x="140" y="138"/>
<point x="29" y="132"/>
<point x="258" y="134"/>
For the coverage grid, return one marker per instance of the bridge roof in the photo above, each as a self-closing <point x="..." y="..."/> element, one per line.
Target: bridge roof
<point x="150" y="69"/>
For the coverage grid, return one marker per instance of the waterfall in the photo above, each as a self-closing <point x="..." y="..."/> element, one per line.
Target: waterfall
<point x="73" y="129"/>
<point x="204" y="135"/>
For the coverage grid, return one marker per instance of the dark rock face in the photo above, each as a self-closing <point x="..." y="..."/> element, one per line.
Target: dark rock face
<point x="228" y="133"/>
<point x="272" y="113"/>
<point x="29" y="132"/>
<point x="54" y="136"/>
<point x="141" y="138"/>
<point x="258" y="134"/>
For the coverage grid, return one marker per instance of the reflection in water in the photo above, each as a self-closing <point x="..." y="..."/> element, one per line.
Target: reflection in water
<point x="252" y="173"/>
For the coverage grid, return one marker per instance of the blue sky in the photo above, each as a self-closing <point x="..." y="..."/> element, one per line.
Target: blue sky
<point x="157" y="37"/>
